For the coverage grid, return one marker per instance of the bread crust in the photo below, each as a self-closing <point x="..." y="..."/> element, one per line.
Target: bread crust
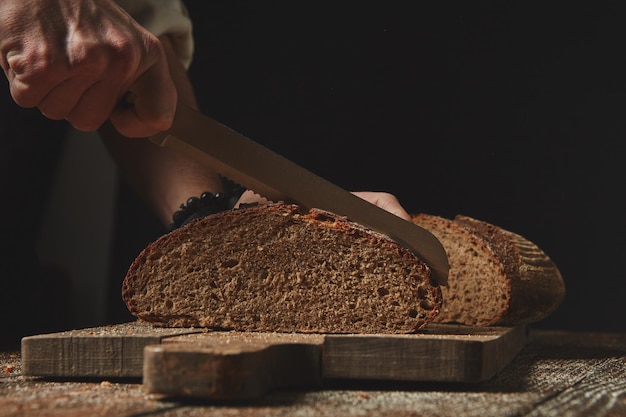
<point x="536" y="285"/>
<point x="524" y="284"/>
<point x="279" y="267"/>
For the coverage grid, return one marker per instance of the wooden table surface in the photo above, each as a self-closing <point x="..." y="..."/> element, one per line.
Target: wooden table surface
<point x="556" y="374"/>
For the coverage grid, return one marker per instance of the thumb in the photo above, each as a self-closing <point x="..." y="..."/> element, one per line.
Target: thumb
<point x="150" y="104"/>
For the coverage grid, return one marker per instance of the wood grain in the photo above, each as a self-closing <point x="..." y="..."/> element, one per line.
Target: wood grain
<point x="232" y="366"/>
<point x="449" y="355"/>
<point x="110" y="351"/>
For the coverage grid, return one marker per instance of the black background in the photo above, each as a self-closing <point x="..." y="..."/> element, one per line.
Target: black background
<point x="510" y="112"/>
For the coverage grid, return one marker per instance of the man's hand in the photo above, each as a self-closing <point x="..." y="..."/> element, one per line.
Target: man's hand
<point x="77" y="59"/>
<point x="385" y="201"/>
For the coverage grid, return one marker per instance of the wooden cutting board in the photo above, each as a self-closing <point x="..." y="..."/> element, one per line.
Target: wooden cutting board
<point x="240" y="365"/>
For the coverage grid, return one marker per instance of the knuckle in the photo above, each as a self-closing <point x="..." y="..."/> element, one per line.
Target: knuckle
<point x="32" y="78"/>
<point x="124" y="56"/>
<point x="32" y="65"/>
<point x="100" y="59"/>
<point x="88" y="57"/>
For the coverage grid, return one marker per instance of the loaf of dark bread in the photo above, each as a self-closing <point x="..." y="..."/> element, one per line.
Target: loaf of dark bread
<point x="496" y="277"/>
<point x="280" y="268"/>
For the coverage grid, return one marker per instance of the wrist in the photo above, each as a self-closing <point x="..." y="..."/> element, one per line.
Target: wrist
<point x="206" y="204"/>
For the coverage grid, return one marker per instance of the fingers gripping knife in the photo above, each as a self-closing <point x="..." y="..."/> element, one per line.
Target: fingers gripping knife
<point x="274" y="177"/>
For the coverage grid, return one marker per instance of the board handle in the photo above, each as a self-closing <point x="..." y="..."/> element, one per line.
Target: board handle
<point x="237" y="371"/>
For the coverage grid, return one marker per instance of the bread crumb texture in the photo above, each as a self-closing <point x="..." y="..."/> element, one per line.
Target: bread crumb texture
<point x="280" y="268"/>
<point x="496" y="277"/>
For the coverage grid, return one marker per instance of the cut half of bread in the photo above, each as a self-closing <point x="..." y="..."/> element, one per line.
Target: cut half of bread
<point x="496" y="277"/>
<point x="280" y="268"/>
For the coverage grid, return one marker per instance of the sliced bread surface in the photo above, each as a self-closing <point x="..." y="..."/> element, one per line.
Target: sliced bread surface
<point x="497" y="277"/>
<point x="281" y="268"/>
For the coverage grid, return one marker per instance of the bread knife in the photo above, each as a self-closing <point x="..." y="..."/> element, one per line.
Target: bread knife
<point x="276" y="178"/>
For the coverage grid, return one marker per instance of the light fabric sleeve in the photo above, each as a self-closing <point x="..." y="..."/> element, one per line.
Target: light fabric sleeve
<point x="164" y="17"/>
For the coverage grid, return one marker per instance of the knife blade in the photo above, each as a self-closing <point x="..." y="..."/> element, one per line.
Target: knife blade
<point x="276" y="178"/>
